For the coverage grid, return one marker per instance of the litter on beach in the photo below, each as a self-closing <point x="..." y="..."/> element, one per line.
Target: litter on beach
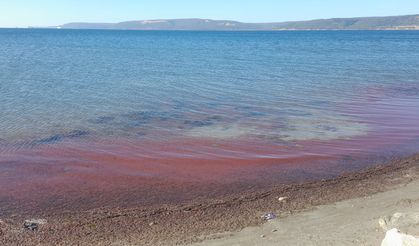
<point x="269" y="216"/>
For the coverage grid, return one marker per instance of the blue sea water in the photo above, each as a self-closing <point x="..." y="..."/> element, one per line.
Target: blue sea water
<point x="92" y="118"/>
<point x="278" y="86"/>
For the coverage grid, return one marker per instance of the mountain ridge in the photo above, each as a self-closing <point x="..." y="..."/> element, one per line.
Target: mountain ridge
<point x="404" y="22"/>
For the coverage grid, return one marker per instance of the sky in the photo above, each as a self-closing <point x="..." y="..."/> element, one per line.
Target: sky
<point x="23" y="13"/>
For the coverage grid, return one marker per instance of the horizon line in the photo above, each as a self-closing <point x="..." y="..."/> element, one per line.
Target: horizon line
<point x="199" y="18"/>
<point x="246" y="22"/>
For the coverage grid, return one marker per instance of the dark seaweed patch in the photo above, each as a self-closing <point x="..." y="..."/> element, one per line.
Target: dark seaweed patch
<point x="215" y="118"/>
<point x="60" y="137"/>
<point x="255" y="114"/>
<point x="102" y="120"/>
<point x="327" y="128"/>
<point x="295" y="112"/>
<point x="197" y="123"/>
<point x="140" y="118"/>
<point x="51" y="140"/>
<point x="77" y="134"/>
<point x="144" y="116"/>
<point x="406" y="90"/>
<point x="201" y="123"/>
<point x="243" y="108"/>
<point x="319" y="103"/>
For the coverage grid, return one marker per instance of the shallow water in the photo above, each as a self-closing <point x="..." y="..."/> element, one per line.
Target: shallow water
<point x="196" y="106"/>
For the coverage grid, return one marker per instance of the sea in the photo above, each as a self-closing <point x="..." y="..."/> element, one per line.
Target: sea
<point x="138" y="114"/>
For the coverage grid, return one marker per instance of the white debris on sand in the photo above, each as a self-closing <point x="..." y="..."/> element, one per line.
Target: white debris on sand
<point x="402" y="221"/>
<point x="395" y="238"/>
<point x="269" y="216"/>
<point x="283" y="199"/>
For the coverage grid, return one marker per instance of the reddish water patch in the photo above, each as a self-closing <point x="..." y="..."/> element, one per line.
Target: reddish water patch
<point x="81" y="174"/>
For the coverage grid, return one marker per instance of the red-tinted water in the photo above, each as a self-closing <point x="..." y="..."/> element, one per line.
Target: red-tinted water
<point x="84" y="173"/>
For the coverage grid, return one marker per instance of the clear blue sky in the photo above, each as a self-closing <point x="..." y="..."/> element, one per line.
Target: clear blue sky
<point x="22" y="13"/>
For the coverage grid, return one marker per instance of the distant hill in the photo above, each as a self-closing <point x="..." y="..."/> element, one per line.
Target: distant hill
<point x="174" y="24"/>
<point x="407" y="22"/>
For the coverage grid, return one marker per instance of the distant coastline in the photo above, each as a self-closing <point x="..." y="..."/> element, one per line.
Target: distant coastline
<point x="405" y="22"/>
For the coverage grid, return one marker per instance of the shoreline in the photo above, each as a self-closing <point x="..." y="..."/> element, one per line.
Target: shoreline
<point x="359" y="221"/>
<point x="199" y="220"/>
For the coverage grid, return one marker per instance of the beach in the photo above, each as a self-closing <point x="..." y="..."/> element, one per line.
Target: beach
<point x="348" y="207"/>
<point x="359" y="221"/>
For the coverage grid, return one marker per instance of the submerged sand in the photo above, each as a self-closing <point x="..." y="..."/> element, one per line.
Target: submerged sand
<point x="313" y="214"/>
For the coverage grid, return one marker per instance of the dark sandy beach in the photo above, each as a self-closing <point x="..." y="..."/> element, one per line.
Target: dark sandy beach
<point x="196" y="220"/>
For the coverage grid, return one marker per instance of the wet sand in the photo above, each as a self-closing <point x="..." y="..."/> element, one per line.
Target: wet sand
<point x="199" y="219"/>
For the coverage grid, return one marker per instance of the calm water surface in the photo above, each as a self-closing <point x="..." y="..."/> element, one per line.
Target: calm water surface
<point x="145" y="103"/>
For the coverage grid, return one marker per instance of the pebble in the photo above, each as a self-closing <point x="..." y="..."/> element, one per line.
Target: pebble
<point x="30" y="226"/>
<point x="33" y="224"/>
<point x="283" y="199"/>
<point x="151" y="224"/>
<point x="262" y="236"/>
<point x="274" y="230"/>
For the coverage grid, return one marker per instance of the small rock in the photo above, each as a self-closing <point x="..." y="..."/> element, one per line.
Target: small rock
<point x="283" y="199"/>
<point x="269" y="216"/>
<point x="92" y="226"/>
<point x="151" y="224"/>
<point x="33" y="224"/>
<point x="274" y="230"/>
<point x="262" y="236"/>
<point x="30" y="226"/>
